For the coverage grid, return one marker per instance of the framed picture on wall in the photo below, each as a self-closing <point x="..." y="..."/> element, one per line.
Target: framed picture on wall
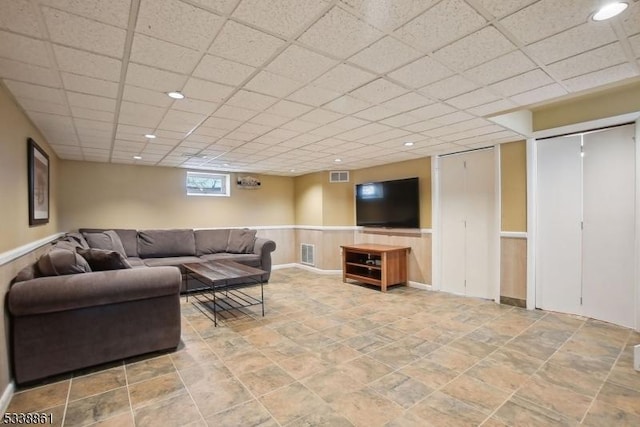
<point x="38" y="168"/>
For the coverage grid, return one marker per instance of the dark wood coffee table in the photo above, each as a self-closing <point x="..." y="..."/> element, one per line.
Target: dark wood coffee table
<point x="228" y="278"/>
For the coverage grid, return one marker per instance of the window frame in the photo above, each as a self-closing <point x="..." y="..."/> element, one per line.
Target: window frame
<point x="224" y="177"/>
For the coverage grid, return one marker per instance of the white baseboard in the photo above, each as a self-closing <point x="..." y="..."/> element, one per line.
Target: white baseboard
<point x="317" y="270"/>
<point x="283" y="266"/>
<point x="419" y="285"/>
<point x="6" y="397"/>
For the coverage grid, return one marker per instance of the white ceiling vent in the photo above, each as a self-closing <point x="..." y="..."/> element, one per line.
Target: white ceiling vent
<point x="339" y="176"/>
<point x="307" y="254"/>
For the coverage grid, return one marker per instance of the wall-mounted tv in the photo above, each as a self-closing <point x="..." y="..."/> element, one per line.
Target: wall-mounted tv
<point x="389" y="204"/>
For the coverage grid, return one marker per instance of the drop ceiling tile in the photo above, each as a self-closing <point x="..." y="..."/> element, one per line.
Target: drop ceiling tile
<point x="501" y="68"/>
<point x="421" y="72"/>
<point x="551" y="91"/>
<point x="270" y="119"/>
<point x="499" y="8"/>
<point x="462" y="137"/>
<point x="546" y="18"/>
<point x="601" y="77"/>
<point x="178" y="22"/>
<point x="195" y="106"/>
<point x="140" y="114"/>
<point x="347" y="105"/>
<point x="288" y="109"/>
<point x="364" y="131"/>
<point x="340" y="34"/>
<point x="388" y="14"/>
<point x="348" y="123"/>
<point x="87" y="64"/>
<point x="241" y="136"/>
<point x="312" y="95"/>
<point x="472" y="99"/>
<point x="441" y="25"/>
<point x="234" y="113"/>
<point x="83" y="33"/>
<point x="93" y="125"/>
<point x="86" y="113"/>
<point x="385" y="55"/>
<point x="221" y="70"/>
<point x="23" y="49"/>
<point x="220" y="123"/>
<point x="474" y="49"/>
<point x="283" y="17"/>
<point x="299" y="126"/>
<point x="115" y="12"/>
<point x="219" y="6"/>
<point x="243" y="44"/>
<point x="522" y="83"/>
<point x="43" y="106"/>
<point x="326" y="131"/>
<point x="28" y="73"/>
<point x="35" y="92"/>
<point x="386" y="136"/>
<point x="153" y="78"/>
<point x="254" y="128"/>
<point x="146" y="96"/>
<point x="20" y="16"/>
<point x="168" y="135"/>
<point x="206" y="91"/>
<point x="452" y="118"/>
<point x="321" y="116"/>
<point x="492" y="107"/>
<point x="51" y="121"/>
<point x="631" y="20"/>
<point x="635" y="45"/>
<point x="409" y="101"/>
<point x="251" y="100"/>
<point x="449" y="87"/>
<point x="375" y="113"/>
<point x="379" y="91"/>
<point x="272" y="84"/>
<point x="161" y="54"/>
<point x="572" y="42"/>
<point x="587" y="62"/>
<point x="344" y="78"/>
<point x="283" y="134"/>
<point x="91" y="101"/>
<point x="433" y="110"/>
<point x="210" y="132"/>
<point x="89" y="85"/>
<point x="300" y="64"/>
<point x="301" y="140"/>
<point x="400" y="120"/>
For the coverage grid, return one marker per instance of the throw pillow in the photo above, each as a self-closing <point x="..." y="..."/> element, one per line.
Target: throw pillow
<point x="108" y="240"/>
<point x="59" y="262"/>
<point x="78" y="238"/>
<point x="103" y="260"/>
<point x="241" y="241"/>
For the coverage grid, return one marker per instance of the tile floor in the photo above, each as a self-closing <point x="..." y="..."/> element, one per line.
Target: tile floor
<point x="334" y="354"/>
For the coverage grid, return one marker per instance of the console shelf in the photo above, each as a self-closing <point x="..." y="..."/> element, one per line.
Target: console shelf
<point x="374" y="264"/>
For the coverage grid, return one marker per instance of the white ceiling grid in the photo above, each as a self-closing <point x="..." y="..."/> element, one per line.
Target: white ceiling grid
<point x="287" y="86"/>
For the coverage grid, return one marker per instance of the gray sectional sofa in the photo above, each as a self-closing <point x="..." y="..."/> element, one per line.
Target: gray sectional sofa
<point x="65" y="315"/>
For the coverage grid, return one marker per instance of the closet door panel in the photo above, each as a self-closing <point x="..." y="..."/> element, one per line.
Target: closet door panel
<point x="609" y="225"/>
<point x="559" y="213"/>
<point x="480" y="232"/>
<point x="452" y="208"/>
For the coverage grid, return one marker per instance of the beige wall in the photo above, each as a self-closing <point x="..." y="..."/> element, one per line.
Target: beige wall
<point x="15" y="128"/>
<point x="308" y="199"/>
<point x="127" y="196"/>
<point x="513" y="168"/>
<point x="408" y="169"/>
<point x="338" y="202"/>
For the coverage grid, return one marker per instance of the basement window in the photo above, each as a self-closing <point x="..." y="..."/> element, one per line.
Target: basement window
<point x="208" y="184"/>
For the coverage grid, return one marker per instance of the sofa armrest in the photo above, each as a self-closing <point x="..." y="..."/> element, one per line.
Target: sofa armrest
<point x="75" y="291"/>
<point x="263" y="245"/>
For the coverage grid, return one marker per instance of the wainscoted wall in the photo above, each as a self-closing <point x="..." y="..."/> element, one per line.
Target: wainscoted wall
<point x="513" y="271"/>
<point x="327" y="242"/>
<point x="285" y="239"/>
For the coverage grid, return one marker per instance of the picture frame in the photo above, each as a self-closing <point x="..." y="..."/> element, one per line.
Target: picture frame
<point x="39" y="183"/>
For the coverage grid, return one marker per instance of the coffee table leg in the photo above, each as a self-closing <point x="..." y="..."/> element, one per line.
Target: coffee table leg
<point x="262" y="296"/>
<point x="215" y="315"/>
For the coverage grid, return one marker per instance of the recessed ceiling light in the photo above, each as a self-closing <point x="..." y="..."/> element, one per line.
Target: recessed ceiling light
<point x="137" y="157"/>
<point x="292" y="170"/>
<point x="609" y="11"/>
<point x="150" y="136"/>
<point x="175" y="95"/>
<point x="225" y="164"/>
<point x="337" y="160"/>
<point x="408" y="144"/>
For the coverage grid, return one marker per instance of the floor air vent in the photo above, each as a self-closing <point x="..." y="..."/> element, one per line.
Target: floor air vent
<point x="339" y="176"/>
<point x="307" y="254"/>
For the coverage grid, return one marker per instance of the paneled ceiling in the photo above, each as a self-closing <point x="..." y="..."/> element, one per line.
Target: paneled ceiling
<point x="287" y="87"/>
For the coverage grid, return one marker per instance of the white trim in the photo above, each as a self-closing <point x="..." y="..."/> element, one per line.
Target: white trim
<point x="7" y="394"/>
<point x="317" y="270"/>
<point x="328" y="227"/>
<point x="436" y="269"/>
<point x="584" y="126"/>
<point x="283" y="266"/>
<point x="252" y="227"/>
<point x="514" y="234"/>
<point x="426" y="230"/>
<point x="13" y="254"/>
<point x="637" y="246"/>
<point x="532" y="173"/>
<point x="418" y="285"/>
<point x="497" y="223"/>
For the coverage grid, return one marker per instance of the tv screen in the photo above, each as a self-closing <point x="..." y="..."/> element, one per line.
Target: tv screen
<point x="392" y="204"/>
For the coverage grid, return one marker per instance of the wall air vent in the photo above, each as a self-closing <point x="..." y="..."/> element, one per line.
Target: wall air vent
<point x="339" y="176"/>
<point x="307" y="254"/>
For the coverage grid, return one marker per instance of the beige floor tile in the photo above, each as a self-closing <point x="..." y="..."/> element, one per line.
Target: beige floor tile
<point x="453" y="358"/>
<point x="551" y="396"/>
<point x="476" y="393"/>
<point x="366" y="408"/>
<point x="603" y="415"/>
<point x="292" y="402"/>
<point x="303" y="365"/>
<point x="266" y="379"/>
<point x="331" y="384"/>
<point x="429" y="373"/>
<point x="621" y="397"/>
<point x="326" y="417"/>
<point x="214" y="397"/>
<point x="149" y="368"/>
<point x="177" y="411"/>
<point x="248" y="414"/>
<point x="150" y="391"/>
<point x="439" y="409"/>
<point x="506" y="369"/>
<point x="97" y="383"/>
<point x="520" y="412"/>
<point x="337" y="353"/>
<point x="123" y="420"/>
<point x="401" y="389"/>
<point x="98" y="407"/>
<point x="194" y="353"/>
<point x="39" y="398"/>
<point x="364" y="369"/>
<point x="247" y="362"/>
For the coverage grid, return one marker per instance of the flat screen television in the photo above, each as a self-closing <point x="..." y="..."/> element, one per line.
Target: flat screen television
<point x="388" y="204"/>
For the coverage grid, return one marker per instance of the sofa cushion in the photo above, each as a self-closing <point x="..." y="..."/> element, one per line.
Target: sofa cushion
<point x="27" y="273"/>
<point x="128" y="237"/>
<point x="77" y="238"/>
<point x="252" y="260"/>
<point x="211" y="241"/>
<point x="166" y="243"/>
<point x="108" y="240"/>
<point x="58" y="262"/>
<point x="135" y="262"/>
<point x="176" y="261"/>
<point x="241" y="241"/>
<point x="104" y="260"/>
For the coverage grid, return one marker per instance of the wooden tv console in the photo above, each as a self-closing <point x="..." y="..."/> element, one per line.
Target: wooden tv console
<point x="374" y="264"/>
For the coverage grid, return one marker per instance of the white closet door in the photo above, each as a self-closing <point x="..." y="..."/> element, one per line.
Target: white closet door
<point x="481" y="221"/>
<point x="609" y="226"/>
<point x="452" y="214"/>
<point x="559" y="213"/>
